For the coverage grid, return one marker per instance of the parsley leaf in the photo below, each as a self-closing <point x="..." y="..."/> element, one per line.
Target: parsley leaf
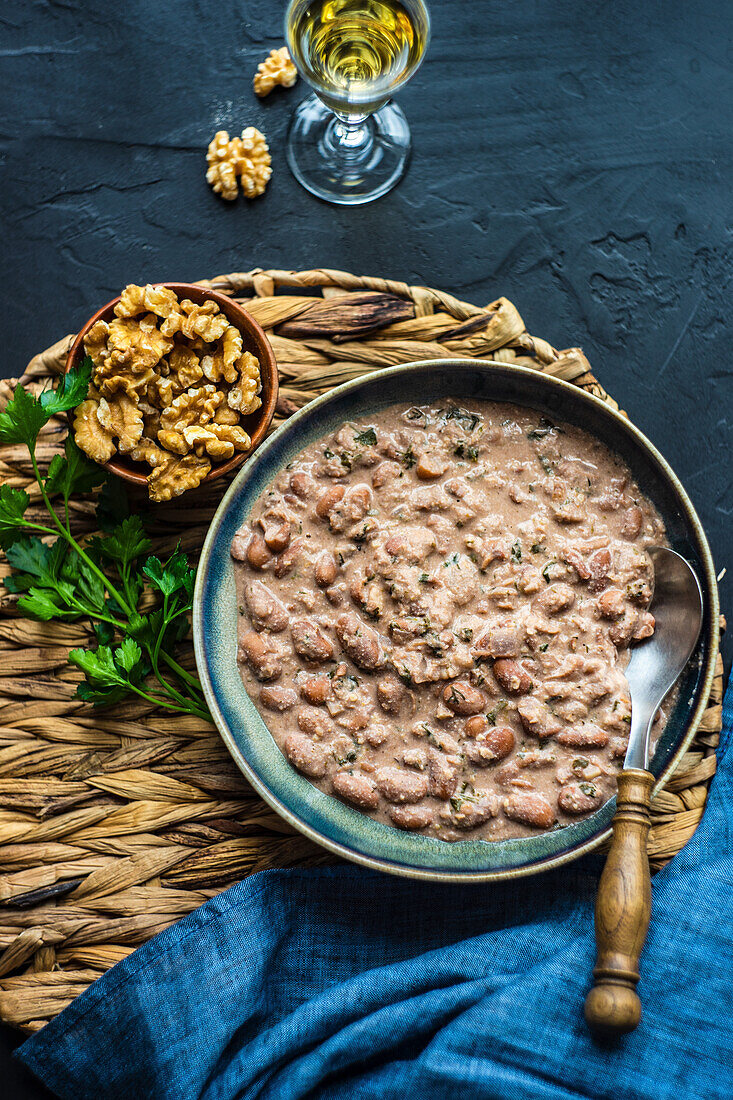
<point x="13" y="504"/>
<point x="109" y="674"/>
<point x="22" y="419"/>
<point x="45" y="604"/>
<point x="71" y="390"/>
<point x="366" y="438"/>
<point x="73" y="474"/>
<point x="24" y="415"/>
<point x="35" y="561"/>
<point x="171" y="577"/>
<point x="126" y="542"/>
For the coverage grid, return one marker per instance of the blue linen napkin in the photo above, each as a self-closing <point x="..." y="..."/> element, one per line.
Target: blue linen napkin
<point x="341" y="983"/>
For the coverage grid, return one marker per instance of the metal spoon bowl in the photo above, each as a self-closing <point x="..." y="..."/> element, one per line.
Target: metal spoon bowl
<point x="656" y="664"/>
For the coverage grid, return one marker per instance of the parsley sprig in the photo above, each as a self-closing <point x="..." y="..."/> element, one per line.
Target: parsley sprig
<point x="107" y="578"/>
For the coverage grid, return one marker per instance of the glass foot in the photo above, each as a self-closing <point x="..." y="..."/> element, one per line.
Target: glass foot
<point x="344" y="164"/>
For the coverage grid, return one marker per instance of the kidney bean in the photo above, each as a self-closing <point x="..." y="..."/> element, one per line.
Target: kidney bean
<point x="328" y="500"/>
<point x="510" y="675"/>
<point x="325" y="569"/>
<point x="574" y="558"/>
<point x="531" y="581"/>
<point x="278" y="698"/>
<point x="309" y="643"/>
<point x="398" y="785"/>
<point x="491" y="550"/>
<point x="266" y="611"/>
<point x="368" y="595"/>
<point x="316" y="689"/>
<point x="622" y="630"/>
<point x="411" y="544"/>
<point x="439" y="738"/>
<point x="639" y="590"/>
<point x="314" y="722"/>
<point x="412" y="817"/>
<point x="469" y="814"/>
<point x="599" y="565"/>
<point x="284" y="562"/>
<point x="491" y="745"/>
<point x="612" y="604"/>
<point x="618" y="746"/>
<point x="384" y="472"/>
<point x="644" y="626"/>
<point x="443" y="773"/>
<point x="415" y="758"/>
<point x="359" y="642"/>
<point x="587" y="736"/>
<point x="261" y="655"/>
<point x="579" y="798"/>
<point x="336" y="594"/>
<point x="568" y="504"/>
<point x="277" y="536"/>
<point x="511" y="775"/>
<point x="429" y="467"/>
<point x="609" y="501"/>
<point x="463" y="698"/>
<point x="391" y="694"/>
<point x="308" y="758"/>
<point x="631" y="526"/>
<point x="558" y="597"/>
<point x="302" y="484"/>
<point x="497" y="641"/>
<point x="529" y="808"/>
<point x="258" y="555"/>
<point x="240" y="542"/>
<point x="356" y="789"/>
<point x="376" y="735"/>
<point x="537" y="719"/>
<point x="406" y="627"/>
<point x="355" y="718"/>
<point x="475" y="725"/>
<point x="357" y="501"/>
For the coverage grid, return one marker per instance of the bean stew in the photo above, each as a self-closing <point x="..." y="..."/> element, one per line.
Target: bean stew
<point x="435" y="611"/>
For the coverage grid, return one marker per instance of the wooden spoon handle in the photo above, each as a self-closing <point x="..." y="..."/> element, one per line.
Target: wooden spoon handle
<point x="623" y="909"/>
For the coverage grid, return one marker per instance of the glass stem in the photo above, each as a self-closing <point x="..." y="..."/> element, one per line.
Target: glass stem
<point x="351" y="134"/>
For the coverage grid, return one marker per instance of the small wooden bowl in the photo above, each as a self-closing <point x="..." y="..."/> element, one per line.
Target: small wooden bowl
<point x="253" y="340"/>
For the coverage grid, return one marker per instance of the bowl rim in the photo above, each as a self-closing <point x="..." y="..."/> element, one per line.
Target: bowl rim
<point x="268" y="375"/>
<point x="710" y="591"/>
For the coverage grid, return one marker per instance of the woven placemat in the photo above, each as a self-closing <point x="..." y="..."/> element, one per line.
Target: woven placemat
<point x="114" y="824"/>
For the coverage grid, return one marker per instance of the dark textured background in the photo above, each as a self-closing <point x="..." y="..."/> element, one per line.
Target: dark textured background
<point x="574" y="155"/>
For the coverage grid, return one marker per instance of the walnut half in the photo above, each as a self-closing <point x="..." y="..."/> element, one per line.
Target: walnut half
<point x="176" y="476"/>
<point x="246" y="158"/>
<point x="277" y="68"/>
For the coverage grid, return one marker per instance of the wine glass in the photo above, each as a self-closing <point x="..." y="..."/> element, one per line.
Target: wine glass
<point x="347" y="143"/>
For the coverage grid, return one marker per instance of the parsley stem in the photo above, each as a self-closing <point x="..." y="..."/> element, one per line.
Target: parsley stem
<point x="38" y="527"/>
<point x="167" y="686"/>
<point x="66" y="533"/>
<point x="192" y="681"/>
<point x="159" y="701"/>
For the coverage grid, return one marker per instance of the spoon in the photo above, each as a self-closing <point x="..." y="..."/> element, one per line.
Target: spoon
<point x="623" y="903"/>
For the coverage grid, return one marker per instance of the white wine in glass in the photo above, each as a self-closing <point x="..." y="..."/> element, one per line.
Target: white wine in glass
<point x="347" y="143"/>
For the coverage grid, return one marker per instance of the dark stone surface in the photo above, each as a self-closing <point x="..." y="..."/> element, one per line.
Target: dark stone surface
<point x="574" y="155"/>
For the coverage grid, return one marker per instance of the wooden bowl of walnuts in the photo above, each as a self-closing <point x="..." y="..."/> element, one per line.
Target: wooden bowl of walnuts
<point x="184" y="386"/>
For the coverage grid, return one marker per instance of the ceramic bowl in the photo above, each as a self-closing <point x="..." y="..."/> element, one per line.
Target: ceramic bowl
<point x="327" y="820"/>
<point x="253" y="340"/>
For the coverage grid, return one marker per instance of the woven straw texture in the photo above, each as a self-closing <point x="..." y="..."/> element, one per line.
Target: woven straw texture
<point x="114" y="824"/>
